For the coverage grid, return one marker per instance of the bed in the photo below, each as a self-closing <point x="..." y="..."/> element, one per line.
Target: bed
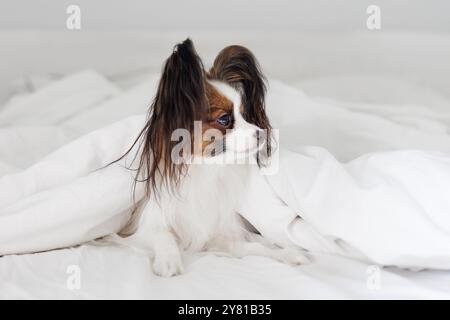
<point x="89" y="92"/>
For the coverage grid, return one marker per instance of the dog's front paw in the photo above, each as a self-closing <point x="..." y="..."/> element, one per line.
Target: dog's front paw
<point x="168" y="264"/>
<point x="292" y="256"/>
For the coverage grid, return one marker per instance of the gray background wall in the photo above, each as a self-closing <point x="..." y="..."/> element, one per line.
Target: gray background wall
<point x="294" y="40"/>
<point x="223" y="15"/>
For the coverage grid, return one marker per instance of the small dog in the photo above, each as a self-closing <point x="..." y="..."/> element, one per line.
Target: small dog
<point x="192" y="190"/>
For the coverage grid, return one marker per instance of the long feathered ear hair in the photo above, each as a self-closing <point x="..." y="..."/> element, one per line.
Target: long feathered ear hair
<point x="237" y="66"/>
<point x="180" y="100"/>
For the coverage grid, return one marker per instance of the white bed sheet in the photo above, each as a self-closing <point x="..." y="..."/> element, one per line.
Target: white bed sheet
<point x="119" y="273"/>
<point x="114" y="272"/>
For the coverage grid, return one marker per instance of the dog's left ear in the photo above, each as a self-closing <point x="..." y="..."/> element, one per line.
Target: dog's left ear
<point x="237" y="66"/>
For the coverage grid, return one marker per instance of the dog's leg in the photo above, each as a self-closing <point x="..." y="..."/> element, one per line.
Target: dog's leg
<point x="155" y="234"/>
<point x="259" y="247"/>
<point x="167" y="261"/>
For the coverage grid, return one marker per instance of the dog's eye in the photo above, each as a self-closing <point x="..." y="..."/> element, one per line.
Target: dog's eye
<point x="224" y="120"/>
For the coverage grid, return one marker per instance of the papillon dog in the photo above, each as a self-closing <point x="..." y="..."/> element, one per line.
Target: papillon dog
<point x="198" y="122"/>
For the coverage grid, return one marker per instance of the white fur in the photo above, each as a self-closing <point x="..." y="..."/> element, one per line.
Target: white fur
<point x="202" y="217"/>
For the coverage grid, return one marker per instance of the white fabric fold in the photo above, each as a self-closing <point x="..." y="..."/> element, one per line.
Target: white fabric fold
<point x="393" y="207"/>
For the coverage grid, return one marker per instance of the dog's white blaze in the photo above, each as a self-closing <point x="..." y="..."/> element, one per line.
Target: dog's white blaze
<point x="242" y="138"/>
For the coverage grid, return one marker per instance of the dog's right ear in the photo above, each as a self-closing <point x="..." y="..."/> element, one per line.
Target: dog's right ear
<point x="181" y="94"/>
<point x="180" y="100"/>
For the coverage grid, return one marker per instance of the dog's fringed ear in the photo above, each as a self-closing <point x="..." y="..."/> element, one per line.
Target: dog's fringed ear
<point x="180" y="100"/>
<point x="237" y="66"/>
<point x="181" y="94"/>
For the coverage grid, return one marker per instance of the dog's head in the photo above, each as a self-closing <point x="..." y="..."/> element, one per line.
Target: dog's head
<point x="198" y="114"/>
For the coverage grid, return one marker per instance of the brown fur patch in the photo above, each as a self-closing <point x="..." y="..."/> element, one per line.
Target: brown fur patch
<point x="219" y="104"/>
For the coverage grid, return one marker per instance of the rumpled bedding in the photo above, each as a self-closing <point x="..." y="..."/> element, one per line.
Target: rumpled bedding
<point x="351" y="193"/>
<point x="370" y="182"/>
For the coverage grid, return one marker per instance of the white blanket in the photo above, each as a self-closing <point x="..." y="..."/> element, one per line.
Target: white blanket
<point x="390" y="207"/>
